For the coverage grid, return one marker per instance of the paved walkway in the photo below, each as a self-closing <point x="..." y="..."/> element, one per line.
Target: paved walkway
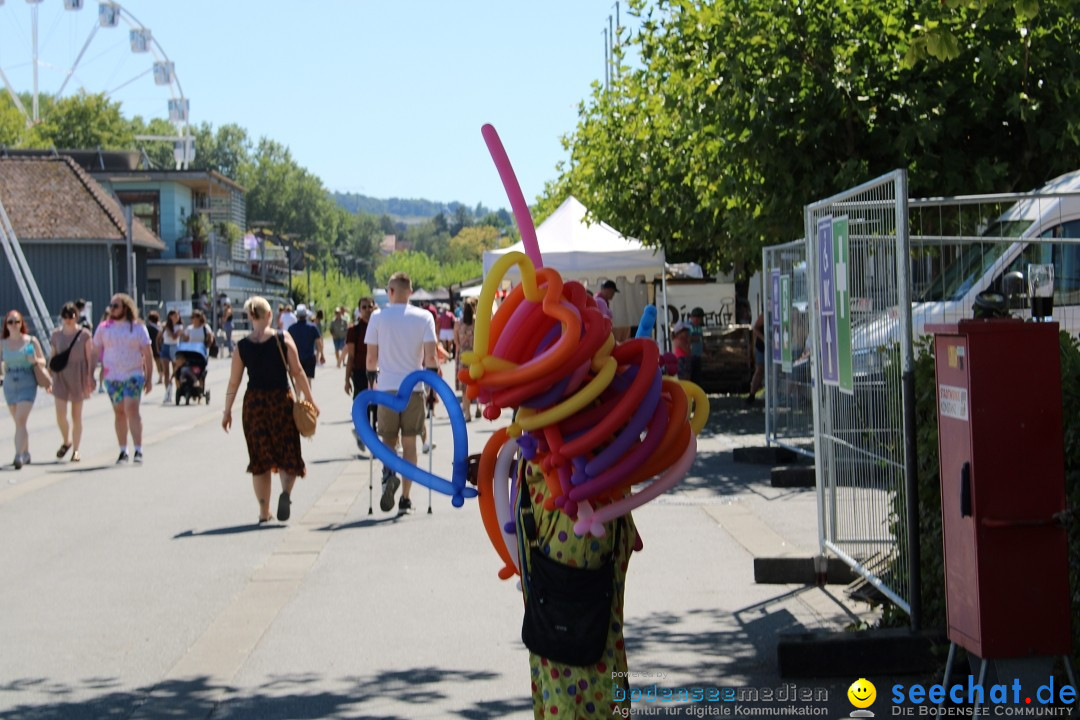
<point x="145" y="592"/>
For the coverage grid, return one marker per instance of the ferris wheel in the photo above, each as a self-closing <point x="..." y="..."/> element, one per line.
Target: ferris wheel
<point x="50" y="50"/>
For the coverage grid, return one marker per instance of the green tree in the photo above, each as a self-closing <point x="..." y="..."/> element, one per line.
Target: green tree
<point x="421" y="268"/>
<point x="160" y="152"/>
<point x="82" y="121"/>
<point x="226" y="150"/>
<point x="743" y="112"/>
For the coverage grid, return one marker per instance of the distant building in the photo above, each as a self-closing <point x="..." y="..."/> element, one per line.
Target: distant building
<point x="71" y="231"/>
<point x="164" y="201"/>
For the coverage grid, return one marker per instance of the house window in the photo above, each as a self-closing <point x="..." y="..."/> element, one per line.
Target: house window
<point x="146" y="206"/>
<point x="153" y="290"/>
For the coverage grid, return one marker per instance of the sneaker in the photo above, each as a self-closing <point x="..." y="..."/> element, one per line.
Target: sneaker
<point x="359" y="442"/>
<point x="123" y="457"/>
<point x="138" y="457"/>
<point x="17" y="462"/>
<point x="26" y="458"/>
<point x="390" y="486"/>
<point x="426" y="447"/>
<point x="404" y="506"/>
<point x="283" y="506"/>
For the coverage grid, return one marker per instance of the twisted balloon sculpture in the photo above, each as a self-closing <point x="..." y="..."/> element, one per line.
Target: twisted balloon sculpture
<point x="596" y="417"/>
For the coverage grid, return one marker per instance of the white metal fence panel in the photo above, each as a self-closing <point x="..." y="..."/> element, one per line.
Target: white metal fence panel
<point x="861" y="340"/>
<point x="789" y="411"/>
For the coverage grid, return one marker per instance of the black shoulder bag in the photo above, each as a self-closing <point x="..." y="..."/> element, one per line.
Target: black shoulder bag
<point x="568" y="610"/>
<point x="59" y="361"/>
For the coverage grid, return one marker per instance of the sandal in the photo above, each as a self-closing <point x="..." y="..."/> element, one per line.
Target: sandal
<point x="63" y="450"/>
<point x="266" y="519"/>
<point x="75" y="457"/>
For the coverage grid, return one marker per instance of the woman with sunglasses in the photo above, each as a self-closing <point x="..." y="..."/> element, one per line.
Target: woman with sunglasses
<point x="75" y="382"/>
<point x="20" y="353"/>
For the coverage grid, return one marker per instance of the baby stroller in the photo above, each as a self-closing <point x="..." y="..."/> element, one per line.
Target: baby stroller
<point x="190" y="375"/>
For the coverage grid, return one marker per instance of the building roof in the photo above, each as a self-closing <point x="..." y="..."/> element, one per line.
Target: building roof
<point x="53" y="199"/>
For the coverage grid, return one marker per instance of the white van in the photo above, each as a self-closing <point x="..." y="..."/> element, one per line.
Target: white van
<point x="950" y="296"/>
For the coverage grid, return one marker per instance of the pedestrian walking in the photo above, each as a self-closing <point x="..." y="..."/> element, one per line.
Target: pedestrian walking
<point x="197" y="332"/>
<point x="171" y="334"/>
<point x="288" y="318"/>
<point x="400" y="339"/>
<point x="339" y="329"/>
<point x="227" y="327"/>
<point x="463" y="339"/>
<point x="445" y="324"/>
<point x="153" y="329"/>
<point x="759" y="359"/>
<point x="308" y="340"/>
<point x="357" y="377"/>
<point x="562" y="690"/>
<point x="84" y="321"/>
<point x="273" y="442"/>
<point x="20" y="353"/>
<point x="73" y="383"/>
<point x="124" y="346"/>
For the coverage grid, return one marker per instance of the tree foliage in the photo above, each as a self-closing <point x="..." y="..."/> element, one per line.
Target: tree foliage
<point x="741" y="113"/>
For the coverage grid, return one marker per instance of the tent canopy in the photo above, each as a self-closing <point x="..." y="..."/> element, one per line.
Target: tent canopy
<point x="580" y="251"/>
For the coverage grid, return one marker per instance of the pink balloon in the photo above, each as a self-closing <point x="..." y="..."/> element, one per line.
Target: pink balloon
<point x="592" y="522"/>
<point x="513" y="193"/>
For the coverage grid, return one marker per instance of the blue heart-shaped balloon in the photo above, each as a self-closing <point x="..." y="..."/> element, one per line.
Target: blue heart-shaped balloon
<point x="455" y="487"/>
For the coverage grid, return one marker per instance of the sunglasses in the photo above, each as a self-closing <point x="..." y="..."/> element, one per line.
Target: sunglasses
<point x="14" y="321"/>
<point x="113" y="306"/>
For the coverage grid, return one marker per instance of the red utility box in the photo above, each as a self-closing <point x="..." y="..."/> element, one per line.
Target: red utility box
<point x="1002" y="486"/>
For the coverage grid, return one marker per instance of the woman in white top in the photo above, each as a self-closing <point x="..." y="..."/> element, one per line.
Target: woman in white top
<point x="196" y="332"/>
<point x="171" y="331"/>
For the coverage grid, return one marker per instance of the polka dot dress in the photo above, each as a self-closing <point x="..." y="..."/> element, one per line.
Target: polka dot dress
<point x="568" y="692"/>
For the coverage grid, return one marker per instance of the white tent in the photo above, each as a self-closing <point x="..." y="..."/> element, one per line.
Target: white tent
<point x="581" y="251"/>
<point x="592" y="251"/>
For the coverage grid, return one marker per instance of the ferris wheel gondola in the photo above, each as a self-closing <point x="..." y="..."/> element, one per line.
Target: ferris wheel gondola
<point x="82" y="53"/>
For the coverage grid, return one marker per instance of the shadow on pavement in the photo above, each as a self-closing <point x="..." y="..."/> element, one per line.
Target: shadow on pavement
<point x="376" y="696"/>
<point x="232" y="530"/>
<point x="367" y="522"/>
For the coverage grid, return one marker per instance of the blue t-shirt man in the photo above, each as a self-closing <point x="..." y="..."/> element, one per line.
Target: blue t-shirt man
<point x="308" y="341"/>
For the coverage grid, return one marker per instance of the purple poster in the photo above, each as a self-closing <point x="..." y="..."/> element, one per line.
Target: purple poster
<point x="774" y="316"/>
<point x="830" y="355"/>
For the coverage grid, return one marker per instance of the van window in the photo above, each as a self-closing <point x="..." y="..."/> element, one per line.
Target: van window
<point x="1065" y="258"/>
<point x="972" y="262"/>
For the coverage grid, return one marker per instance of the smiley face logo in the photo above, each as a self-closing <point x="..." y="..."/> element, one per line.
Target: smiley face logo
<point x="862" y="693"/>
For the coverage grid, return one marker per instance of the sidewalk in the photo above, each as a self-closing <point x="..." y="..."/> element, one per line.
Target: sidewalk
<point x="145" y="593"/>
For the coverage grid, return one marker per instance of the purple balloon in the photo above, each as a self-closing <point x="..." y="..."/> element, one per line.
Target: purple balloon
<point x="630" y="434"/>
<point x="632" y="460"/>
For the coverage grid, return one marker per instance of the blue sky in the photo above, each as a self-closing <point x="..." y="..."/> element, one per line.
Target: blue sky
<point x="382" y="98"/>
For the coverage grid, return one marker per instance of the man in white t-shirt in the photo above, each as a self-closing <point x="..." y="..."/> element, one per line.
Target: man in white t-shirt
<point x="288" y="318"/>
<point x="400" y="339"/>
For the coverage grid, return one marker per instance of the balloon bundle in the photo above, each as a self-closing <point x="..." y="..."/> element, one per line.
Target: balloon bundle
<point x="595" y="417"/>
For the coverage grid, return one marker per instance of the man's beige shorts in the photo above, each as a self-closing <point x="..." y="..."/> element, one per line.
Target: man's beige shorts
<point x="408" y="423"/>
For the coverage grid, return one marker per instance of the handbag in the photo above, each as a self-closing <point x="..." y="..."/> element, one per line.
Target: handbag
<point x="568" y="610"/>
<point x="44" y="380"/>
<point x="59" y="361"/>
<point x="304" y="414"/>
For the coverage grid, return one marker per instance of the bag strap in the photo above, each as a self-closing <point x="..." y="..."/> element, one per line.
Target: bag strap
<point x="528" y="520"/>
<point x="285" y="362"/>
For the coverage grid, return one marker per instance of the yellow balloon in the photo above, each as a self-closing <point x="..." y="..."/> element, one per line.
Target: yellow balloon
<point x="572" y="404"/>
<point x="699" y="403"/>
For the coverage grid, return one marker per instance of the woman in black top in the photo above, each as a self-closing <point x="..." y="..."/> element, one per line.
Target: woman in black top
<point x="272" y="438"/>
